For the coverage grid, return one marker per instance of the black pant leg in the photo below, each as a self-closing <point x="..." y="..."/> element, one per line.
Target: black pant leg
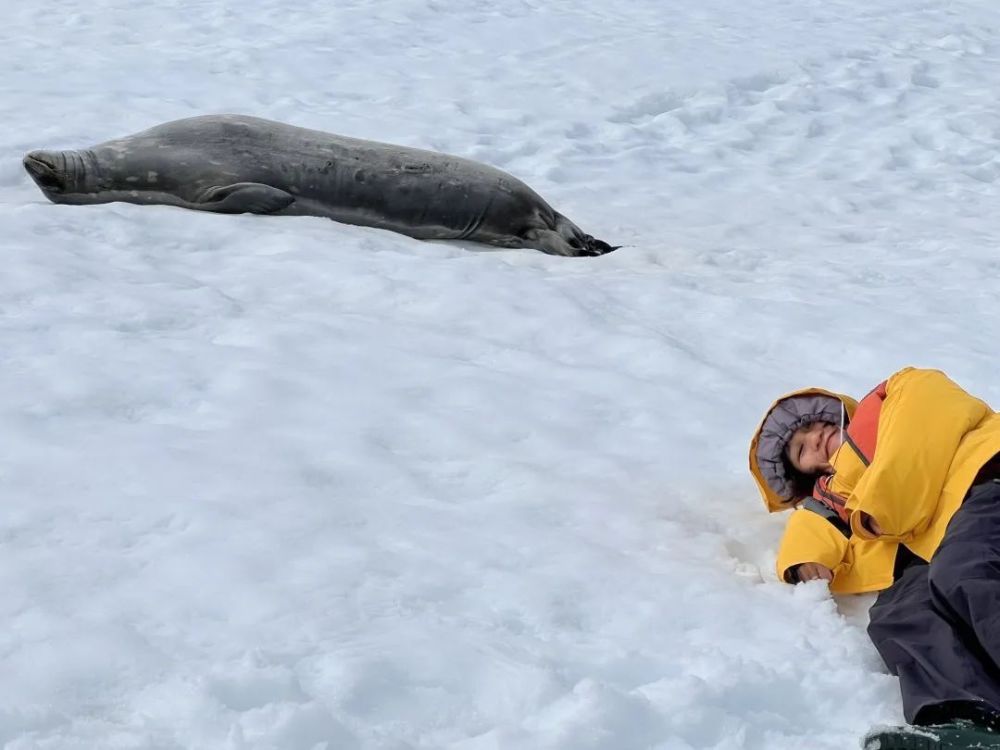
<point x="965" y="573"/>
<point x="939" y="675"/>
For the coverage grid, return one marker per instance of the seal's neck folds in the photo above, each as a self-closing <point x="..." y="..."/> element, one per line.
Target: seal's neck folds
<point x="62" y="175"/>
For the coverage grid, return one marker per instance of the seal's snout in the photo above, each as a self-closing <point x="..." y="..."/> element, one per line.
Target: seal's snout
<point x="588" y="245"/>
<point x="43" y="166"/>
<point x="574" y="242"/>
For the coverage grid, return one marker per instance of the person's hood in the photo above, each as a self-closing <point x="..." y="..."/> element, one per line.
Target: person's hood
<point x="786" y="415"/>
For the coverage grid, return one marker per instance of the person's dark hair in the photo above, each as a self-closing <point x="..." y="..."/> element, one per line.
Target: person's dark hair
<point x="802" y="484"/>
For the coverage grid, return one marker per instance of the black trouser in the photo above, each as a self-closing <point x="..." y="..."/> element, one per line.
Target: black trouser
<point x="938" y="627"/>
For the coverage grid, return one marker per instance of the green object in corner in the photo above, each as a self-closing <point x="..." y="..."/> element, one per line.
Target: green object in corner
<point x="956" y="735"/>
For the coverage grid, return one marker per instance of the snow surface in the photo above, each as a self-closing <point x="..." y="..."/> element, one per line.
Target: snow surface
<point x="282" y="483"/>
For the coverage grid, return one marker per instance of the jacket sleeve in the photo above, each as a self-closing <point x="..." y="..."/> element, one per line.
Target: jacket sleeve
<point x="810" y="538"/>
<point x="924" y="418"/>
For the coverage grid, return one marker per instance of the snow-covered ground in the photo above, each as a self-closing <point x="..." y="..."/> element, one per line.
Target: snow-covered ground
<point x="282" y="483"/>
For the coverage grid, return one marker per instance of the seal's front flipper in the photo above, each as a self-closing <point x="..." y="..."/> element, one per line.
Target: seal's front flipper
<point x="244" y="198"/>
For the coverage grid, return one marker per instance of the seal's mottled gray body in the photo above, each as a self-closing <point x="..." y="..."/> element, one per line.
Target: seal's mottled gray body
<point x="239" y="164"/>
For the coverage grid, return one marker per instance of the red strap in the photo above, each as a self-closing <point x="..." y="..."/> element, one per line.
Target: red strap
<point x="833" y="501"/>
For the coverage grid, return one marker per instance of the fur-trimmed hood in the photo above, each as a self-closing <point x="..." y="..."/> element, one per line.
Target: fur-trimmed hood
<point x="786" y="415"/>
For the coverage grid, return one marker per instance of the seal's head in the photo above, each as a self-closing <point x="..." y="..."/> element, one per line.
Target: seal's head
<point x="61" y="175"/>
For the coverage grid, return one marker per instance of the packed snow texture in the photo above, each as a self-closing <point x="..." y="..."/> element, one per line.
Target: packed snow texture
<point x="284" y="483"/>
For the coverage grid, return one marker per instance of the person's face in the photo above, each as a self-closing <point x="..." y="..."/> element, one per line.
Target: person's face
<point x="811" y="447"/>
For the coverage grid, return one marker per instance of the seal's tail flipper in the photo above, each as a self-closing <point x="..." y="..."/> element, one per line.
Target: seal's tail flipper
<point x="244" y="198"/>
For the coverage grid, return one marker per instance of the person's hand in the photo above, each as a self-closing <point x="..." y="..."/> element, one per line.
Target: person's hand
<point x="870" y="524"/>
<point x="813" y="572"/>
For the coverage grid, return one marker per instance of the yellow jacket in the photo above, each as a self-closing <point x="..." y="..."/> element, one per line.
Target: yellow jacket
<point x="859" y="565"/>
<point x="927" y="441"/>
<point x="933" y="438"/>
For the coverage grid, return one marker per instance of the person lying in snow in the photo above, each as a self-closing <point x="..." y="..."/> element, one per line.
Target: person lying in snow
<point x="918" y="519"/>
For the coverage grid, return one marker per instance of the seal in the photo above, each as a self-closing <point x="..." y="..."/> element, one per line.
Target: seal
<point x="234" y="164"/>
